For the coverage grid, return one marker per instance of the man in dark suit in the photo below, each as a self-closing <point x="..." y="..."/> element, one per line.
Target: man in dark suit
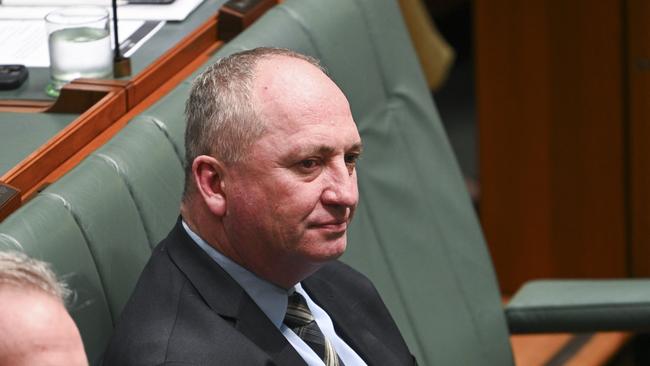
<point x="249" y="274"/>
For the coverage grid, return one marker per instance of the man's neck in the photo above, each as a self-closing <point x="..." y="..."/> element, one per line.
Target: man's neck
<point x="281" y="271"/>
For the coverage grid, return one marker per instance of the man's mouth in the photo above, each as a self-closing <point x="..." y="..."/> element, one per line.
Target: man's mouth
<point x="331" y="226"/>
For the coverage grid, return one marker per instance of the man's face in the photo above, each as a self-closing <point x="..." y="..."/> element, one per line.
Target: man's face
<point x="293" y="196"/>
<point x="37" y="330"/>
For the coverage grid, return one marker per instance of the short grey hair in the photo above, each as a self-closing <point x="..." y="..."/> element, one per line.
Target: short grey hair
<point x="220" y="118"/>
<point x="19" y="270"/>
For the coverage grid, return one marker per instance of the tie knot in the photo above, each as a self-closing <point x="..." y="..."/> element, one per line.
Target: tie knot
<point x="298" y="314"/>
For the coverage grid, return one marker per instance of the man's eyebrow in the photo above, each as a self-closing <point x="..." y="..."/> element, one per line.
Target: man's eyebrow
<point x="358" y="147"/>
<point x="326" y="149"/>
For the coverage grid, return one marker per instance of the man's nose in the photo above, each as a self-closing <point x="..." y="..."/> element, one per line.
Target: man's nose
<point x="341" y="188"/>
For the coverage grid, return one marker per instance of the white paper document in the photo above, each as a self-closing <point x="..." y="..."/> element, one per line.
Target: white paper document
<point x="176" y="11"/>
<point x="60" y="2"/>
<point x="25" y="41"/>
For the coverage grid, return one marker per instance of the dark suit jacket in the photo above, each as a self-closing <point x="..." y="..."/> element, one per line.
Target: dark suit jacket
<point x="187" y="310"/>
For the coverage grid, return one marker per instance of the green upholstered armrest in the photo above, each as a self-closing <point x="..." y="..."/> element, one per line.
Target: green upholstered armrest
<point x="580" y="306"/>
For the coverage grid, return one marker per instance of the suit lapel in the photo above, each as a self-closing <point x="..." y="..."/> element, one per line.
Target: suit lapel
<point x="350" y="324"/>
<point x="224" y="296"/>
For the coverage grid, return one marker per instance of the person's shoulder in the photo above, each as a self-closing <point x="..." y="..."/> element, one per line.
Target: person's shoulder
<point x="167" y="320"/>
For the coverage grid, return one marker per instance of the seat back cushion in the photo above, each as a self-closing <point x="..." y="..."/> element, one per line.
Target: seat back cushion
<point x="102" y="206"/>
<point x="146" y="159"/>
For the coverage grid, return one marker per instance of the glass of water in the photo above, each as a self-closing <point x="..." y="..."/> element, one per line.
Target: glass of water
<point x="79" y="45"/>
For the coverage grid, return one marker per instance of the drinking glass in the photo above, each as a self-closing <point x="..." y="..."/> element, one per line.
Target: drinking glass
<point x="79" y="45"/>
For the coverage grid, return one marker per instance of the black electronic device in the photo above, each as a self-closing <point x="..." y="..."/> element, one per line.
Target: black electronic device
<point x="12" y="76"/>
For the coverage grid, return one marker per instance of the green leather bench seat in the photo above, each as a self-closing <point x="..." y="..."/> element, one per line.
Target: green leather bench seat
<point x="22" y="133"/>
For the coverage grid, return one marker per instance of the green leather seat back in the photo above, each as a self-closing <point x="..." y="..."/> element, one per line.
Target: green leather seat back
<point x="46" y="229"/>
<point x="146" y="159"/>
<point x="169" y="113"/>
<point x="102" y="207"/>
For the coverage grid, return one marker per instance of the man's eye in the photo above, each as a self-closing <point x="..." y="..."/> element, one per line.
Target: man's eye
<point x="308" y="164"/>
<point x="351" y="159"/>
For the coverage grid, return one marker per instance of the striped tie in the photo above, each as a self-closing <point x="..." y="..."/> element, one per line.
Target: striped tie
<point x="300" y="320"/>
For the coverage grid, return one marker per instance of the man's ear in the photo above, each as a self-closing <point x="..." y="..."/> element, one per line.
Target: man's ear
<point x="208" y="177"/>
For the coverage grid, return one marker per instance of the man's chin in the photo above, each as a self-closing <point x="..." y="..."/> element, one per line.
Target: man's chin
<point x="331" y="250"/>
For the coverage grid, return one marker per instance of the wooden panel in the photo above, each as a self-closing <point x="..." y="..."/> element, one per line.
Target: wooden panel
<point x="534" y="350"/>
<point x="507" y="64"/>
<point x="551" y="131"/>
<point x="638" y="76"/>
<point x="588" y="147"/>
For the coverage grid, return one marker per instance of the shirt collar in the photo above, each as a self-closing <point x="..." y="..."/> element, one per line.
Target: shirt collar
<point x="271" y="299"/>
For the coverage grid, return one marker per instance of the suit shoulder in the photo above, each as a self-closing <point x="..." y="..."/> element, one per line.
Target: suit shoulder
<point x="147" y="320"/>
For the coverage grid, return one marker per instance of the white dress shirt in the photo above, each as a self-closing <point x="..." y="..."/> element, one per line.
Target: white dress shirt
<point x="272" y="300"/>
